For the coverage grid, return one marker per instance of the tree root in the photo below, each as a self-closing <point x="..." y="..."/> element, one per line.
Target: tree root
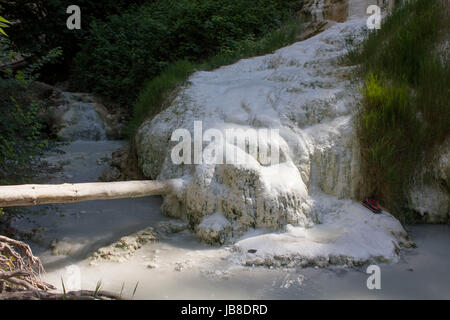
<point x="20" y="277"/>
<point x="19" y="268"/>
<point x="72" y="295"/>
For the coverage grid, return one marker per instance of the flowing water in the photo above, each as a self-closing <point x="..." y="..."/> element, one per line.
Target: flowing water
<point x="81" y="120"/>
<point x="178" y="266"/>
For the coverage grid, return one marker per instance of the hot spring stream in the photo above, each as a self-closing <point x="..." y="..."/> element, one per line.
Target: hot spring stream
<point x="179" y="267"/>
<point x="128" y="241"/>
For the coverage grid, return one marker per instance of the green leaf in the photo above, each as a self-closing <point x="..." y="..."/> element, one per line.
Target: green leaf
<point x="3" y="24"/>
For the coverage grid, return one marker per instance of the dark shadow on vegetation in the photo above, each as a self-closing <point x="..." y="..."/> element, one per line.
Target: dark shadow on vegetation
<point x="404" y="113"/>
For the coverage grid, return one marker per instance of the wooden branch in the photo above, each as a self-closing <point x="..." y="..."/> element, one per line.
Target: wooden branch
<point x="29" y="195"/>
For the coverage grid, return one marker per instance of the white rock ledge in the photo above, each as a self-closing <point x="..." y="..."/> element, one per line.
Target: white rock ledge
<point x="305" y="93"/>
<point x="349" y="235"/>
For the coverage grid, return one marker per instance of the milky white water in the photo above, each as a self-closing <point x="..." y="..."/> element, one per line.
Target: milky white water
<point x="179" y="267"/>
<point x="183" y="268"/>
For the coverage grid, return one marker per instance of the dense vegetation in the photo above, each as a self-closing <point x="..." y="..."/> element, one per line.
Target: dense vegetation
<point x="137" y="52"/>
<point x="123" y="49"/>
<point x="156" y="93"/>
<point x="119" y="55"/>
<point x="23" y="133"/>
<point x="46" y="20"/>
<point x="121" y="46"/>
<point x="405" y="112"/>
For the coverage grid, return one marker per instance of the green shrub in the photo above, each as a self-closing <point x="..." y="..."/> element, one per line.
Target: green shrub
<point x="40" y="26"/>
<point x="115" y="62"/>
<point x="404" y="112"/>
<point x="252" y="46"/>
<point x="23" y="135"/>
<point x="46" y="20"/>
<point x="157" y="92"/>
<point x="119" y="55"/>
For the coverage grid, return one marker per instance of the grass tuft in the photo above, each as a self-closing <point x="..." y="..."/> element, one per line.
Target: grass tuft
<point x="404" y="113"/>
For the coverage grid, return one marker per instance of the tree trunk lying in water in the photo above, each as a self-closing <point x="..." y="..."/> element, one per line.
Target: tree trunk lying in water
<point x="34" y="194"/>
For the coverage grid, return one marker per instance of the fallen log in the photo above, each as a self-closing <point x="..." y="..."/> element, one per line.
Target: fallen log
<point x="35" y="194"/>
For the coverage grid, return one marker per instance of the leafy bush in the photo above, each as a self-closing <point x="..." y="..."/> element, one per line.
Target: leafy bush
<point x="156" y="93"/>
<point x="46" y="20"/>
<point x="115" y="62"/>
<point x="22" y="131"/>
<point x="21" y="139"/>
<point x="252" y="46"/>
<point x="404" y="113"/>
<point x="40" y="25"/>
<point x="120" y="54"/>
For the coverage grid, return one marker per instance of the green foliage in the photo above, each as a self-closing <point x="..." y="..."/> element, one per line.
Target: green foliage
<point x="252" y="46"/>
<point x="157" y="92"/>
<point x="21" y="137"/>
<point x="3" y="24"/>
<point x="40" y="26"/>
<point x="390" y="134"/>
<point x="404" y="113"/>
<point x="46" y="20"/>
<point x="119" y="55"/>
<point x="115" y="62"/>
<point x="399" y="48"/>
<point x="31" y="72"/>
<point x="21" y="125"/>
<point x="22" y="134"/>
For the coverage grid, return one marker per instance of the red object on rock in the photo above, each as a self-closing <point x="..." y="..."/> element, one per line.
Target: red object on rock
<point x="372" y="204"/>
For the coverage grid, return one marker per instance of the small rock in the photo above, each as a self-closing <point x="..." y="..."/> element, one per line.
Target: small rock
<point x="172" y="226"/>
<point x="181" y="265"/>
<point x="213" y="229"/>
<point x="122" y="250"/>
